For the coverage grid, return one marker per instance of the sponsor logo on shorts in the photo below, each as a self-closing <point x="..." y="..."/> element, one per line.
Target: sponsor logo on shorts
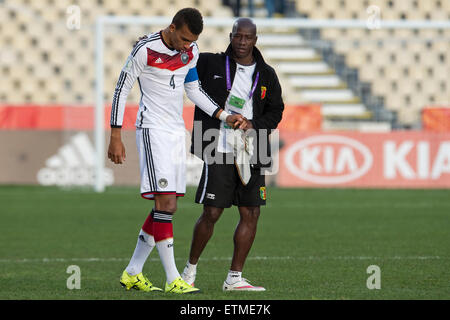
<point x="162" y="183"/>
<point x="211" y="196"/>
<point x="263" y="193"/>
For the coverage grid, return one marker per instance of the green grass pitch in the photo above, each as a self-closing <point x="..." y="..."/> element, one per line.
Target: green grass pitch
<point x="310" y="244"/>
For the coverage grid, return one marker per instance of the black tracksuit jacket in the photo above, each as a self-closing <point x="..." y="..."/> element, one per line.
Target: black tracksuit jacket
<point x="268" y="104"/>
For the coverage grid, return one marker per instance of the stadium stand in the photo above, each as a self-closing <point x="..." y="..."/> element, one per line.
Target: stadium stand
<point x="45" y="62"/>
<point x="407" y="68"/>
<point x="358" y="75"/>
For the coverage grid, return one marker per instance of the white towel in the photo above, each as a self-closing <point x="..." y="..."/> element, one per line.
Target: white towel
<point x="243" y="151"/>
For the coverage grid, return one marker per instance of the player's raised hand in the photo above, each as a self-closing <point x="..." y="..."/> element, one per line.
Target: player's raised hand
<point x="235" y="120"/>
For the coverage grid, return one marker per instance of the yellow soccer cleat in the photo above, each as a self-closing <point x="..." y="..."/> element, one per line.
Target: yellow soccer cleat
<point x="137" y="282"/>
<point x="180" y="286"/>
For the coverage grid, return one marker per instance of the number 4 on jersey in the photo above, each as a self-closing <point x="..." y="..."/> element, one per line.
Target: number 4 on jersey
<point x="172" y="82"/>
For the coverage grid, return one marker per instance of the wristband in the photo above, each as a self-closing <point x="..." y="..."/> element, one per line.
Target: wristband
<point x="223" y="115"/>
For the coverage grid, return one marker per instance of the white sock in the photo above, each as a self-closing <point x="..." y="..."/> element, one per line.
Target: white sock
<point x="144" y="246"/>
<point x="233" y="276"/>
<point x="189" y="273"/>
<point x="190" y="269"/>
<point x="165" y="249"/>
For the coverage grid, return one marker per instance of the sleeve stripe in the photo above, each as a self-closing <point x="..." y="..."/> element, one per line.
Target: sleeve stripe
<point x="202" y="91"/>
<point x="145" y="41"/>
<point x="214" y="103"/>
<point x="201" y="99"/>
<point x="115" y="104"/>
<point x="116" y="98"/>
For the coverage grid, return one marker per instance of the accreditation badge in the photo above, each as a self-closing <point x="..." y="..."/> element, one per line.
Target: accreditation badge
<point x="236" y="102"/>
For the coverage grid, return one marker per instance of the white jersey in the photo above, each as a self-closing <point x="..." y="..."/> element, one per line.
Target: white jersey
<point x="162" y="73"/>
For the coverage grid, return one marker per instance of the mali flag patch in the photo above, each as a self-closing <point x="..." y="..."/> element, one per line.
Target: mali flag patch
<point x="263" y="92"/>
<point x="263" y="193"/>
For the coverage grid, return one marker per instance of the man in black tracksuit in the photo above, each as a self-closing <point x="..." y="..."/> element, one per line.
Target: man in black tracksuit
<point x="240" y="81"/>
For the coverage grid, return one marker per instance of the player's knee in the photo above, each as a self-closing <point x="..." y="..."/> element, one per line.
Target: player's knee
<point x="166" y="204"/>
<point x="250" y="214"/>
<point x="170" y="207"/>
<point x="211" y="214"/>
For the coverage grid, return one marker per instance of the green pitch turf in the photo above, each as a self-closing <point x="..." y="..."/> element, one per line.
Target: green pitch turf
<point x="310" y="244"/>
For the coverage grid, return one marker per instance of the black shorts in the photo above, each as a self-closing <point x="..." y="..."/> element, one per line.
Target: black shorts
<point x="221" y="187"/>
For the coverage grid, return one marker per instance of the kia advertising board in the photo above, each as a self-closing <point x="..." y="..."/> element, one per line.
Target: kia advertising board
<point x="41" y="146"/>
<point x="396" y="159"/>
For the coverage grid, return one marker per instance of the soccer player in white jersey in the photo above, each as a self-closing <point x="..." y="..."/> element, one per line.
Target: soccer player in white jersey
<point x="164" y="64"/>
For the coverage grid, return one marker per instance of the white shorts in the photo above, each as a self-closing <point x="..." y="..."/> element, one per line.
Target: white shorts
<point x="162" y="161"/>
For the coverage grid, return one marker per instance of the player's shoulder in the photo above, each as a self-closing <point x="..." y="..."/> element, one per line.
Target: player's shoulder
<point x="195" y="49"/>
<point x="147" y="42"/>
<point x="194" y="45"/>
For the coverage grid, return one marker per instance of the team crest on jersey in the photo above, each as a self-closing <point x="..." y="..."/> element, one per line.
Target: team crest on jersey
<point x="263" y="92"/>
<point x="184" y="57"/>
<point x="262" y="193"/>
<point x="162" y="183"/>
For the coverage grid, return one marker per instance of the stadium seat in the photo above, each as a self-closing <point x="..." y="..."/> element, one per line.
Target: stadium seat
<point x="442" y="73"/>
<point x="369" y="72"/>
<point x="330" y="33"/>
<point x="381" y="87"/>
<point x="355" y="58"/>
<point x="425" y="6"/>
<point x="305" y="6"/>
<point x="394" y="101"/>
<point x="6" y="88"/>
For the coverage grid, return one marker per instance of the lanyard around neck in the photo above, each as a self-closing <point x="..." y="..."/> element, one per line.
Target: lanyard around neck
<point x="227" y="67"/>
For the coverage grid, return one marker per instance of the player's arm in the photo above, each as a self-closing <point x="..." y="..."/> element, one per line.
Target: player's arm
<point x="197" y="95"/>
<point x="130" y="72"/>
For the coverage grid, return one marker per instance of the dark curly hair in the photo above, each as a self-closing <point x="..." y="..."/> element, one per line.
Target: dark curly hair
<point x="191" y="17"/>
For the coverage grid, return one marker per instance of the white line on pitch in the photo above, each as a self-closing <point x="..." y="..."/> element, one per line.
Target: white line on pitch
<point x="306" y="258"/>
